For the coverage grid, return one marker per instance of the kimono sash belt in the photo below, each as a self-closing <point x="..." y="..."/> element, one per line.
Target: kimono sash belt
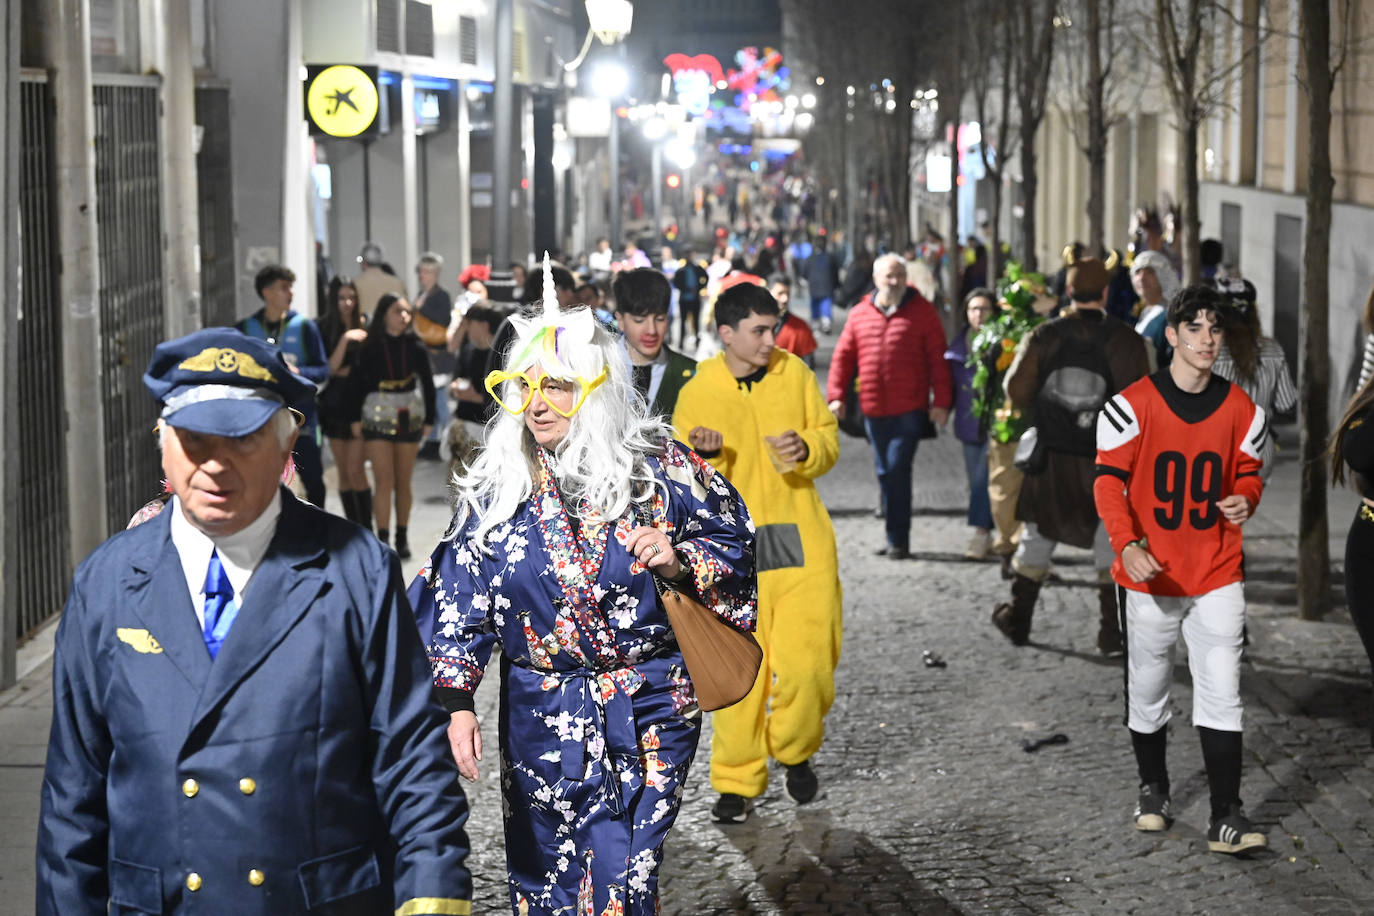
<point x="598" y="710"/>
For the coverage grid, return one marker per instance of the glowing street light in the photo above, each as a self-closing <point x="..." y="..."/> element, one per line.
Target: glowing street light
<point x="655" y="129"/>
<point x="610" y="79"/>
<point x="681" y="153"/>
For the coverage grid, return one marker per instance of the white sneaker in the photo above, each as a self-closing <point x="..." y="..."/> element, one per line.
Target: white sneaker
<point x="980" y="545"/>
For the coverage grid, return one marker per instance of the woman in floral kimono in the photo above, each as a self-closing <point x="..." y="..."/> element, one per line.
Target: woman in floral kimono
<point x="577" y="497"/>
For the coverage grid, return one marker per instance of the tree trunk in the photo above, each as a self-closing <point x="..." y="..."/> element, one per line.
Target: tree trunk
<point x="1097" y="134"/>
<point x="1029" y="183"/>
<point x="1192" y="222"/>
<point x="956" y="251"/>
<point x="1314" y="569"/>
<point x="1097" y="199"/>
<point x="995" y="242"/>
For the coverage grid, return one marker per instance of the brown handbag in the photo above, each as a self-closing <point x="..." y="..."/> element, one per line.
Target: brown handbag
<point x="434" y="334"/>
<point x="722" y="661"/>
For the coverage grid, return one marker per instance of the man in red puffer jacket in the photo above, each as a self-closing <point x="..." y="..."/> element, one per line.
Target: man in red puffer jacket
<point x="894" y="343"/>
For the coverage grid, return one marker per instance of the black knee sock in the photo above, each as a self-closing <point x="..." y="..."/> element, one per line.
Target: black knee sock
<point x="1150" y="757"/>
<point x="1221" y="754"/>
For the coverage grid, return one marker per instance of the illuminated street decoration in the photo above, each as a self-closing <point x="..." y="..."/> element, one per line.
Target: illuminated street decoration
<point x="760" y="77"/>
<point x="694" y="79"/>
<point x="755" y="88"/>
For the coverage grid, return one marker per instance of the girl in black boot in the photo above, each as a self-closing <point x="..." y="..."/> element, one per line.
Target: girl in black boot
<point x="341" y="329"/>
<point x="397" y="388"/>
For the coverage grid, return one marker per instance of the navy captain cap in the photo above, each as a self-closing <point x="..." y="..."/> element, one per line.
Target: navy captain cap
<point x="222" y="382"/>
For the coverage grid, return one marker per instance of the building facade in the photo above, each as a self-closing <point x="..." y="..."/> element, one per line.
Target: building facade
<point x="157" y="155"/>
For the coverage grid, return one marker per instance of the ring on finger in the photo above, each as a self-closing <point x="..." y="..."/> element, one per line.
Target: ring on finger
<point x="654" y="548"/>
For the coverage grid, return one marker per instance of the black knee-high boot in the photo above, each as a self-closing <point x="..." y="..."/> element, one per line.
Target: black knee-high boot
<point x="1014" y="618"/>
<point x="350" y="505"/>
<point x="363" y="501"/>
<point x="402" y="543"/>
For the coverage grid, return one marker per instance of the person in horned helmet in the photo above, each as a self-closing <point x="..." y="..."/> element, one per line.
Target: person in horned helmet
<point x="578" y="500"/>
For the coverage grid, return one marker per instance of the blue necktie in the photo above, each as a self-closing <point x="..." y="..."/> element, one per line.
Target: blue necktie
<point x="220" y="607"/>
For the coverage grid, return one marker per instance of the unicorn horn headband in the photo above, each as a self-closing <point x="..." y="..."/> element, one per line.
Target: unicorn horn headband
<point x="553" y="331"/>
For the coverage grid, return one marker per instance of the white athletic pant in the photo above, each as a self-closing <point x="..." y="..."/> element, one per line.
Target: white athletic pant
<point x="1032" y="557"/>
<point x="1211" y="625"/>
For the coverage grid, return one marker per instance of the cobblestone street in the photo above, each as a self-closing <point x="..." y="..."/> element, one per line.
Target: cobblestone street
<point x="929" y="804"/>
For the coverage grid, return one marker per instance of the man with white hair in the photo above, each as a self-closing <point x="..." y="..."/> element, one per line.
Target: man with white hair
<point x="243" y="718"/>
<point x="894" y="344"/>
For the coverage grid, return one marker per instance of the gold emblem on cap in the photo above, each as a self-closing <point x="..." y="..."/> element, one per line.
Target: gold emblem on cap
<point x="230" y="362"/>
<point x="141" y="640"/>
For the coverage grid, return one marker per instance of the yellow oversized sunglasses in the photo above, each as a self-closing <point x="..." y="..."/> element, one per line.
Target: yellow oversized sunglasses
<point x="560" y="394"/>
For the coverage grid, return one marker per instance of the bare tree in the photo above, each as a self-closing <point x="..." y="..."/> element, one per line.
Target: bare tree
<point x="1314" y="568"/>
<point x="993" y="77"/>
<point x="1104" y="73"/>
<point x="1198" y="80"/>
<point x="867" y="44"/>
<point x="955" y="60"/>
<point x="1034" y="42"/>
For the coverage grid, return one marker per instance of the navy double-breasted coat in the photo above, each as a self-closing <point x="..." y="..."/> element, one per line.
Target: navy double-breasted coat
<point x="303" y="770"/>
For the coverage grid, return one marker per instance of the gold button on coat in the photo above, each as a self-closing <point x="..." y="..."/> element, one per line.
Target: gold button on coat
<point x="190" y="788"/>
<point x="193" y="882"/>
<point x="247" y="786"/>
<point x="256" y="878"/>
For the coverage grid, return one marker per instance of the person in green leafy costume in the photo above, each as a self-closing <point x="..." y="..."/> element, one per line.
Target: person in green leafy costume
<point x="990" y="354"/>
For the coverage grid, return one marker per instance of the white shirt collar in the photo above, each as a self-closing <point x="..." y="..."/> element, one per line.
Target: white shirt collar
<point x="240" y="552"/>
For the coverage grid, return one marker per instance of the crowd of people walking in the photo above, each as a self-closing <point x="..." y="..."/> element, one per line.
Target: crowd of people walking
<point x="635" y="426"/>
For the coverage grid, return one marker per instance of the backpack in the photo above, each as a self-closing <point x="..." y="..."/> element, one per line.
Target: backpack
<point x="1074" y="385"/>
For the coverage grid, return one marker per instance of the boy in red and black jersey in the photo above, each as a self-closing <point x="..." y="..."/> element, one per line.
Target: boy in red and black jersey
<point x="1178" y="461"/>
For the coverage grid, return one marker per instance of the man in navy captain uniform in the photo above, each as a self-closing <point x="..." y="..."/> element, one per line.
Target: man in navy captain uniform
<point x="243" y="719"/>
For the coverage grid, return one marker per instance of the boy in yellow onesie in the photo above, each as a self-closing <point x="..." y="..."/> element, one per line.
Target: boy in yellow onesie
<point x="757" y="414"/>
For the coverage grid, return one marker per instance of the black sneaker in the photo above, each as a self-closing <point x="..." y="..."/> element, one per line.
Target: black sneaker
<point x="802" y="783"/>
<point x="730" y="809"/>
<point x="1152" y="809"/>
<point x="1234" y="834"/>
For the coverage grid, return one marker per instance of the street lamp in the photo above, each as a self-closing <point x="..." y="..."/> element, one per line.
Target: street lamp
<point x="609" y="20"/>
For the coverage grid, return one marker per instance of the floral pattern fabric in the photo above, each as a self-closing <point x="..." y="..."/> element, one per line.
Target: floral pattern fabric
<point x="598" y="721"/>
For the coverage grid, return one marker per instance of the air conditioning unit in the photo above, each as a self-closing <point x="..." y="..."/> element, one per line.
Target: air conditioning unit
<point x="452" y="39"/>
